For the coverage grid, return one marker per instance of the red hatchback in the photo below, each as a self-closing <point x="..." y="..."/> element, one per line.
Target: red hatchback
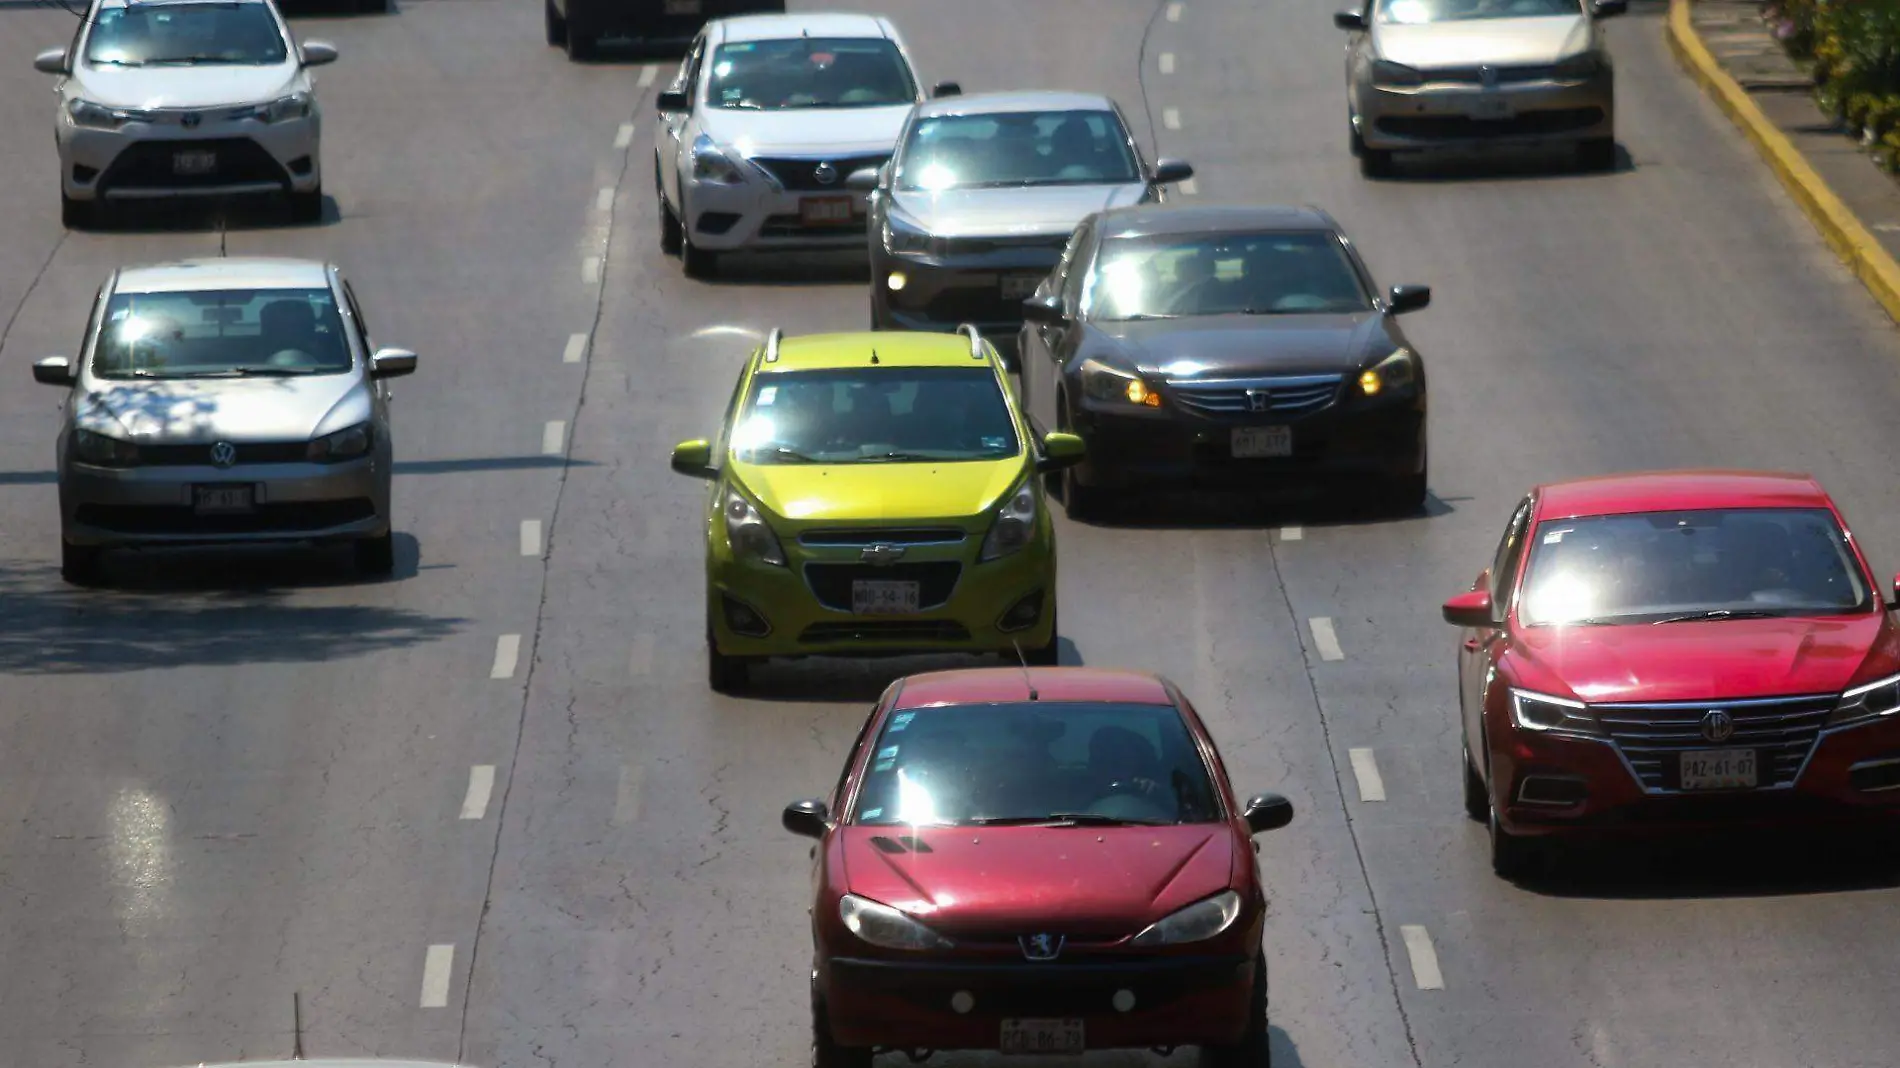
<point x="1036" y="861"/>
<point x="1675" y="649"/>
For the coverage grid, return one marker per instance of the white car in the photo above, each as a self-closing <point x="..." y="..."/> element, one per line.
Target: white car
<point x="172" y="98"/>
<point x="768" y="116"/>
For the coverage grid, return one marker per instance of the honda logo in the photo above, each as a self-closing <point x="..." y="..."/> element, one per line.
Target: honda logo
<point x="825" y="173"/>
<point x="1718" y="726"/>
<point x="223" y="454"/>
<point x="1259" y="400"/>
<point x="881" y="555"/>
<point x="1041" y="946"/>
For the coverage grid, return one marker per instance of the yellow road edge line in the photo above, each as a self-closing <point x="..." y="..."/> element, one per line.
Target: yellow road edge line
<point x="1843" y="232"/>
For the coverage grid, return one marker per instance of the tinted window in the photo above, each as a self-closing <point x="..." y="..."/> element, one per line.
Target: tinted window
<point x="1028" y="763"/>
<point x="810" y="73"/>
<point x="157" y="34"/>
<point x="1223" y="274"/>
<point x="1656" y="565"/>
<point x="875" y="415"/>
<point x="1415" y="12"/>
<point x="1016" y="148"/>
<point x="221" y="334"/>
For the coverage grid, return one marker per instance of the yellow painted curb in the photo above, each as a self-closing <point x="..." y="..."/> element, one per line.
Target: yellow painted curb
<point x="1850" y="240"/>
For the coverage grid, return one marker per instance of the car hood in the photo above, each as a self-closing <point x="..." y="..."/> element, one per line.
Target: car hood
<point x="1722" y="659"/>
<point x="1228" y="346"/>
<point x="1013" y="211"/>
<point x="1502" y="42"/>
<point x="881" y="491"/>
<point x="183" y="87"/>
<point x="807" y="131"/>
<point x="1106" y="882"/>
<point x="251" y="409"/>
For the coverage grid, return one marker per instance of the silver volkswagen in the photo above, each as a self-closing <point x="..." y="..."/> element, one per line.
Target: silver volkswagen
<point x="220" y="401"/>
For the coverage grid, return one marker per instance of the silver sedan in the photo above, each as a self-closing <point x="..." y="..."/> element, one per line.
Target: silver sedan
<point x="1424" y="74"/>
<point x="221" y="401"/>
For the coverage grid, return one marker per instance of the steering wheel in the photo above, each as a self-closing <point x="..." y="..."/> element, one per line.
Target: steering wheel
<point x="1184" y="300"/>
<point x="1129" y="805"/>
<point x="291" y="358"/>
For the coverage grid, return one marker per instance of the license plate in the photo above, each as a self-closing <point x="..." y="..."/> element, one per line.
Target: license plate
<point x="682" y="7"/>
<point x="1253" y="442"/>
<point x="223" y="500"/>
<point x="825" y="211"/>
<point x="194" y="162"/>
<point x="1491" y="107"/>
<point x="1020" y="286"/>
<point x="1718" y="769"/>
<point x="1041" y="1036"/>
<point x="881" y="598"/>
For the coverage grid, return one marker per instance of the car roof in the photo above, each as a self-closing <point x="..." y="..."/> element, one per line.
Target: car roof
<point x="331" y="1062"/>
<point x="897" y="348"/>
<point x="1143" y="220"/>
<point x="161" y="3"/>
<point x="1019" y="100"/>
<point x="983" y="686"/>
<point x="237" y="272"/>
<point x="1663" y="491"/>
<point x="802" y="24"/>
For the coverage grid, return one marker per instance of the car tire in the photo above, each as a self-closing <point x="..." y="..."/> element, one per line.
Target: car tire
<point x="556" y="25"/>
<point x="1477" y="794"/>
<point x="578" y="36"/>
<point x="77" y="214"/>
<point x="79" y="564"/>
<point x="672" y="234"/>
<point x="307" y="208"/>
<point x="1375" y="162"/>
<point x="725" y="673"/>
<point x="1354" y="143"/>
<point x="1405" y="494"/>
<point x="1253" y="1050"/>
<point x="826" y="1053"/>
<point x="1512" y="857"/>
<point x="698" y="263"/>
<point x="376" y="556"/>
<point x="1047" y="655"/>
<point x="1597" y="155"/>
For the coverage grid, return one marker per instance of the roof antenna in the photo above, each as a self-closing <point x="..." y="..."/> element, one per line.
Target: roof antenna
<point x="296" y="1016"/>
<point x="873" y="355"/>
<point x="1022" y="662"/>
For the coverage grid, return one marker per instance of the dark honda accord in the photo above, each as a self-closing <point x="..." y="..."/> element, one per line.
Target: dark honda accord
<point x="1233" y="348"/>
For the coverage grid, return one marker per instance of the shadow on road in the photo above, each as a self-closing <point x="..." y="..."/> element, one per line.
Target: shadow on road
<point x="1742" y="864"/>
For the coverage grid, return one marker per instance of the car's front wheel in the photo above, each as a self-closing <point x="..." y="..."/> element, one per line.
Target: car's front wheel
<point x="76" y="214"/>
<point x="376" y="556"/>
<point x="826" y="1053"/>
<point x="1047" y="655"/>
<point x="556" y="25"/>
<point x="307" y="207"/>
<point x="671" y="234"/>
<point x="1477" y="794"/>
<point x="725" y="673"/>
<point x="79" y="564"/>
<point x="1253" y="1050"/>
<point x="1512" y="857"/>
<point x="698" y="262"/>
<point x="1597" y="154"/>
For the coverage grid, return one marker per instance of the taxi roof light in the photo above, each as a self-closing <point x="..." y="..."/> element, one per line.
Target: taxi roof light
<point x="771" y="344"/>
<point x="976" y="340"/>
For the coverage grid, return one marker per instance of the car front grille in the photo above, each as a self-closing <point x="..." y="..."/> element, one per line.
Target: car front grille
<point x="148" y="165"/>
<point x="794" y="226"/>
<point x="291" y="517"/>
<point x="1475" y="75"/>
<point x="1782" y="729"/>
<point x="831" y="583"/>
<point x="799" y="175"/>
<point x="933" y="631"/>
<point x="1463" y="127"/>
<point x="970" y="305"/>
<point x="1277" y="396"/>
<point x="1050" y="246"/>
<point x="852" y="537"/>
<point x="250" y="452"/>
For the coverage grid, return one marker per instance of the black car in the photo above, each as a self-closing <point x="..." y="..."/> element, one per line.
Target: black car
<point x="1229" y="348"/>
<point x="580" y="25"/>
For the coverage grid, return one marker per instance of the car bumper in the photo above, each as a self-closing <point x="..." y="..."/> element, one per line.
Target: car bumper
<point x="1453" y="116"/>
<point x="758" y="215"/>
<point x="293" y="502"/>
<point x="140" y="161"/>
<point x="941" y="294"/>
<point x="650" y="20"/>
<point x="1178" y="1001"/>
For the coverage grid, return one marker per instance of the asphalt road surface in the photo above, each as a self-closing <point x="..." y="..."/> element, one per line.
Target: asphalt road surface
<point x="240" y="776"/>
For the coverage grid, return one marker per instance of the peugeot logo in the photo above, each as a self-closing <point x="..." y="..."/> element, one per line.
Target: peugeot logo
<point x="881" y="555"/>
<point x="1259" y="400"/>
<point x="189" y="120"/>
<point x="223" y="454"/>
<point x="1717" y="726"/>
<point x="1489" y="76"/>
<point x="825" y="173"/>
<point x="1041" y="946"/>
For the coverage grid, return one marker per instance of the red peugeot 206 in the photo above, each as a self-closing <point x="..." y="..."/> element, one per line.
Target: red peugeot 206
<point x="1675" y="649"/>
<point x="1046" y="860"/>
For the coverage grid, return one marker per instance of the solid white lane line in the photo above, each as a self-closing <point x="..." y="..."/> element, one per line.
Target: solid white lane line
<point x="647" y="74"/>
<point x="1174" y="11"/>
<point x="531" y="537"/>
<point x="552" y="436"/>
<point x="640" y="659"/>
<point x="1366" y="769"/>
<point x="1418" y="946"/>
<point x="1171" y="118"/>
<point x="1167" y="62"/>
<point x="1291" y="534"/>
<point x="590" y="270"/>
<point x="624" y="136"/>
<point x="1325" y="640"/>
<point x="576" y="348"/>
<point x="604" y="200"/>
<point x="435" y="976"/>
<point x="1188" y="187"/>
<point x="627" y="795"/>
<point x="481" y="783"/>
<point x="507" y="653"/>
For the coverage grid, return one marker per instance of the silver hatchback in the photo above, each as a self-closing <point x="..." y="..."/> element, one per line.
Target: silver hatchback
<point x="225" y="401"/>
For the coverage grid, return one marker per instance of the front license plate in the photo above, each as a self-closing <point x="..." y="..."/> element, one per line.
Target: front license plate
<point x="194" y="162"/>
<point x="880" y="598"/>
<point x="1253" y="442"/>
<point x="825" y="211"/>
<point x="1020" y="286"/>
<point x="1491" y="107"/>
<point x="1718" y="769"/>
<point x="682" y="7"/>
<point x="1041" y="1036"/>
<point x="223" y="500"/>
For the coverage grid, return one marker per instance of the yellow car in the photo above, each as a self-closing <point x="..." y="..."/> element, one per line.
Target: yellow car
<point x="876" y="494"/>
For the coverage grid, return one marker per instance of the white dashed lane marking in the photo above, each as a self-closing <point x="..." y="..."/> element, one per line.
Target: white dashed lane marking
<point x="1418" y="946"/>
<point x="1324" y="640"/>
<point x="576" y="349"/>
<point x="531" y="537"/>
<point x="647" y="74"/>
<point x="1174" y="11"/>
<point x="552" y="436"/>
<point x="481" y="783"/>
<point x="1366" y="769"/>
<point x="1171" y="118"/>
<point x="1291" y="534"/>
<point x="1167" y="62"/>
<point x="1188" y="188"/>
<point x="590" y="270"/>
<point x="624" y="136"/>
<point x="435" y="976"/>
<point x="604" y="200"/>
<point x="507" y="653"/>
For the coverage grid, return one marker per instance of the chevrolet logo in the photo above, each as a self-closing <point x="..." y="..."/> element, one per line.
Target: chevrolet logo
<point x="881" y="555"/>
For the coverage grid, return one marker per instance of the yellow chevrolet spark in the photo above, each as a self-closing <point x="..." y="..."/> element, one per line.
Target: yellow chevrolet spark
<point x="875" y="494"/>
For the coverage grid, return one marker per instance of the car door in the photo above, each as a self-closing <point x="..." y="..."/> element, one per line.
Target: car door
<point x="1480" y="647"/>
<point x="673" y="136"/>
<point x="1047" y="347"/>
<point x="82" y="357"/>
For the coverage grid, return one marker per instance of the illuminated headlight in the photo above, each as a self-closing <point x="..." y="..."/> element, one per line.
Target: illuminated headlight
<point x="345" y="444"/>
<point x="882" y="925"/>
<point x="1579" y="67"/>
<point x="747" y="531"/>
<point x="1393" y="374"/>
<point x="1386" y="72"/>
<point x="710" y="164"/>
<point x="103" y="450"/>
<point x="1015" y="522"/>
<point x="1863" y="703"/>
<point x="1196" y="923"/>
<point x="902" y="239"/>
<point x="1104" y="383"/>
<point x="284" y="109"/>
<point x="95" y="116"/>
<point x="1551" y="715"/>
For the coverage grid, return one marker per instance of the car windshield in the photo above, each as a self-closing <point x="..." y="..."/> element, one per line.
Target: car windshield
<point x="1419" y="12"/>
<point x="239" y="34"/>
<point x="1016" y="148"/>
<point x="810" y="72"/>
<point x="223" y="333"/>
<point x="1704" y="564"/>
<point x="875" y="415"/>
<point x="1223" y="274"/>
<point x="1040" y="762"/>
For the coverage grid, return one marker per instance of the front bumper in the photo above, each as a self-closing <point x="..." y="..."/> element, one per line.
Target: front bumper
<point x="293" y="502"/>
<point x="985" y="288"/>
<point x="1462" y="116"/>
<point x="142" y="160"/>
<point x="760" y="214"/>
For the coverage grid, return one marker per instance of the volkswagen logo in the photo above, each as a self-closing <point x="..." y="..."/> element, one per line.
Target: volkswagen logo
<point x="1717" y="726"/>
<point x="881" y="555"/>
<point x="1259" y="400"/>
<point x="825" y="173"/>
<point x="1489" y="76"/>
<point x="189" y="120"/>
<point x="223" y="454"/>
<point x="1041" y="946"/>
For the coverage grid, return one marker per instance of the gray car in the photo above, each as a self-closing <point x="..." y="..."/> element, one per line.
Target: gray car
<point x="979" y="201"/>
<point x="1423" y="74"/>
<point x="224" y="401"/>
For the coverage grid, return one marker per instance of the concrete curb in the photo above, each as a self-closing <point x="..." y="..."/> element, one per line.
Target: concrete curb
<point x="1849" y="239"/>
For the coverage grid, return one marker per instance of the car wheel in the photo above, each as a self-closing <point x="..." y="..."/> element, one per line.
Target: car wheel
<point x="1355" y="143"/>
<point x="307" y="207"/>
<point x="556" y="25"/>
<point x="826" y="1053"/>
<point x="579" y="37"/>
<point x="1047" y="655"/>
<point x="76" y="214"/>
<point x="698" y="262"/>
<point x="79" y="564"/>
<point x="1253" y="1049"/>
<point x="376" y="556"/>
<point x="1477" y="794"/>
<point x="724" y="673"/>
<point x="1512" y="857"/>
<point x="1405" y="494"/>
<point x="671" y="233"/>
<point x="1375" y="162"/>
<point x="1597" y="154"/>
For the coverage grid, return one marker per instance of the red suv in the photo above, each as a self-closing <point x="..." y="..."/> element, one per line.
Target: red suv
<point x="1046" y="860"/>
<point x="1675" y="649"/>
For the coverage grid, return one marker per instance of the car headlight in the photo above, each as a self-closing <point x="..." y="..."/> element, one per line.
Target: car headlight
<point x="345" y="444"/>
<point x="1552" y="715"/>
<point x="1105" y="383"/>
<point x="746" y="529"/>
<point x="1578" y="67"/>
<point x="1386" y="72"/>
<point x="284" y="109"/>
<point x="901" y="239"/>
<point x="1196" y="923"/>
<point x="710" y="164"/>
<point x="1015" y="522"/>
<point x="103" y="450"/>
<point x="1863" y="703"/>
<point x="1393" y="374"/>
<point x="95" y="116"/>
<point x="882" y="925"/>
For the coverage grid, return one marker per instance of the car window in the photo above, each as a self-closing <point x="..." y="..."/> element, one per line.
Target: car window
<point x="810" y="72"/>
<point x="223" y="333"/>
<point x="1657" y="565"/>
<point x="1073" y="268"/>
<point x="145" y="35"/>
<point x="1016" y="148"/>
<point x="356" y="313"/>
<point x="1026" y="763"/>
<point x="1274" y="273"/>
<point x="876" y="415"/>
<point x="1418" y="12"/>
<point x="1510" y="551"/>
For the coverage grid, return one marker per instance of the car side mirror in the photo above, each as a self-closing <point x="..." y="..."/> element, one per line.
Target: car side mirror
<point x="809" y="819"/>
<point x="946" y="89"/>
<point x="52" y="61"/>
<point x="1471" y="609"/>
<point x="1603" y="9"/>
<point x="863" y="180"/>
<point x="392" y="363"/>
<point x="1896" y="579"/>
<point x="1350" y="20"/>
<point x="694" y="458"/>
<point x="1169" y="171"/>
<point x="1043" y="309"/>
<point x="672" y="102"/>
<point x="1267" y="812"/>
<point x="54" y="371"/>
<point x="1060" y="450"/>
<point x="1403" y="299"/>
<point x="318" y="53"/>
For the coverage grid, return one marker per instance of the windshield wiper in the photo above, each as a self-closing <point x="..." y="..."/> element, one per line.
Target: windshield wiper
<point x="900" y="457"/>
<point x="1721" y="613"/>
<point x="175" y="61"/>
<point x="782" y="453"/>
<point x="1143" y="316"/>
<point x="1069" y="819"/>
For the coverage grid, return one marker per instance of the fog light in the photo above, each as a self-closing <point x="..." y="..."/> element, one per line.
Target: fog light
<point x="896" y="281"/>
<point x="744" y="619"/>
<point x="1023" y="614"/>
<point x="962" y="1001"/>
<point x="1123" y="1000"/>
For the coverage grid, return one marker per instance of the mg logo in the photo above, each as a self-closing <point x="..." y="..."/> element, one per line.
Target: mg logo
<point x="1041" y="946"/>
<point x="1259" y="400"/>
<point x="825" y="173"/>
<point x="223" y="454"/>
<point x="1717" y="726"/>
